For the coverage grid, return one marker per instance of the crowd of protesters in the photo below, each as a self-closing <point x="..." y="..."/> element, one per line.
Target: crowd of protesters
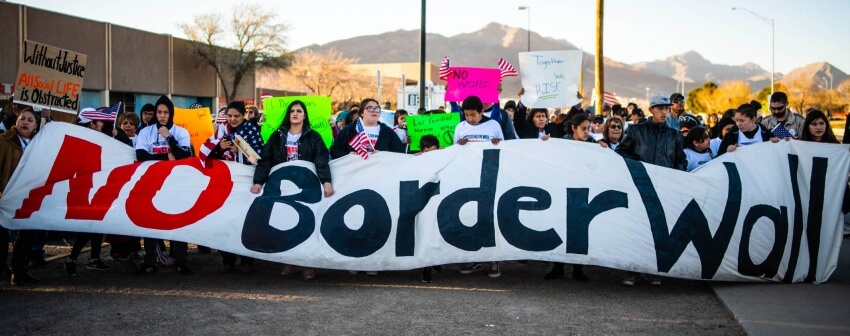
<point x="667" y="136"/>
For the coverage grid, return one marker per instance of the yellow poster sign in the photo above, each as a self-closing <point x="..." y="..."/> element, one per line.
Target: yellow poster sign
<point x="198" y="122"/>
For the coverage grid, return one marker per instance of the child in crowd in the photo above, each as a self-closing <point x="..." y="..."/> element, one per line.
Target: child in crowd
<point x="697" y="147"/>
<point x="478" y="128"/>
<point x="429" y="143"/>
<point x="400" y="128"/>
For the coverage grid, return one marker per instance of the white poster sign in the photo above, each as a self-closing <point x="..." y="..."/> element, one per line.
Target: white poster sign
<point x="550" y="78"/>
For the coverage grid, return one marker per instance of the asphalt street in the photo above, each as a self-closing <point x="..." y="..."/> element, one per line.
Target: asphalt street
<point x="336" y="302"/>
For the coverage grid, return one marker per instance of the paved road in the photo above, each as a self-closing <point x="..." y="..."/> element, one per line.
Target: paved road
<point x="799" y="309"/>
<point x="393" y="303"/>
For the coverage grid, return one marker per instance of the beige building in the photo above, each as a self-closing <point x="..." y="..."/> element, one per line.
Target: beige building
<point x="124" y="64"/>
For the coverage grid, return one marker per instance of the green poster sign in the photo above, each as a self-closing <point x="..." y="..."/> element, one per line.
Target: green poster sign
<point x="318" y="110"/>
<point x="440" y="125"/>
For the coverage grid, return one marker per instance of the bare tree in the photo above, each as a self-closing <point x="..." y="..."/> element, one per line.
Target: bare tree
<point x="800" y="93"/>
<point x="331" y="74"/>
<point x="250" y="39"/>
<point x="323" y="74"/>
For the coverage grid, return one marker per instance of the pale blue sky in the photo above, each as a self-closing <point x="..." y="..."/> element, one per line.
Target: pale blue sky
<point x="806" y="31"/>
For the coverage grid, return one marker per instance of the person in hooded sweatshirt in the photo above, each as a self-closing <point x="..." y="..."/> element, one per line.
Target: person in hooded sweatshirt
<point x="220" y="146"/>
<point x="161" y="141"/>
<point x="295" y="140"/>
<point x="147" y="116"/>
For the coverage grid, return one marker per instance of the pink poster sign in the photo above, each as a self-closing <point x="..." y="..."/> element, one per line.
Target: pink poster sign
<point x="465" y="82"/>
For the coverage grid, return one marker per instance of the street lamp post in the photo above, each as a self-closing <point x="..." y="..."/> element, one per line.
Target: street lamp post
<point x="528" y="27"/>
<point x="772" y="43"/>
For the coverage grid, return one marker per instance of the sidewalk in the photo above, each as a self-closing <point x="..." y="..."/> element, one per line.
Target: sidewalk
<point x="793" y="309"/>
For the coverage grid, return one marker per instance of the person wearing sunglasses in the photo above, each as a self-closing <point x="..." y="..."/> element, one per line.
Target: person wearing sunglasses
<point x="781" y="115"/>
<point x="596" y="127"/>
<point x="677" y="111"/>
<point x="612" y="132"/>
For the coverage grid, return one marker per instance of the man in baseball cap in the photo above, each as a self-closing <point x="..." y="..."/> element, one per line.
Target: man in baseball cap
<point x="653" y="142"/>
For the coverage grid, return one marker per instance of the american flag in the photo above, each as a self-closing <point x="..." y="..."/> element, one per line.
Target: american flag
<point x="444" y="69"/>
<point x="247" y="131"/>
<point x="221" y="116"/>
<point x="506" y="68"/>
<point x="360" y="142"/>
<point x="104" y="114"/>
<point x="780" y="132"/>
<point x="610" y="98"/>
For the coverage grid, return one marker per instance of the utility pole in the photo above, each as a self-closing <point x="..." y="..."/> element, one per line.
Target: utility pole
<point x="422" y="59"/>
<point x="581" y="74"/>
<point x="600" y="87"/>
<point x="380" y="103"/>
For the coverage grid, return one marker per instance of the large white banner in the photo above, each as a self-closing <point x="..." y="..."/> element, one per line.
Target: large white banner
<point x="550" y="78"/>
<point x="759" y="213"/>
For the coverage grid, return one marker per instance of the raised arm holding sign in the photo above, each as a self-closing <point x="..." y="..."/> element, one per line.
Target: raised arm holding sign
<point x="550" y="78"/>
<point x="465" y="82"/>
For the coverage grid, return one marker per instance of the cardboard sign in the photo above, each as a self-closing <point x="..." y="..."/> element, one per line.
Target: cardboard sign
<point x="318" y="110"/>
<point x="465" y="82"/>
<point x="246" y="149"/>
<point x="550" y="78"/>
<point x="440" y="125"/>
<point x="198" y="122"/>
<point x="50" y="77"/>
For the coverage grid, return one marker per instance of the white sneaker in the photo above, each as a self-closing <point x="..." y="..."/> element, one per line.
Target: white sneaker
<point x="629" y="281"/>
<point x="372" y="273"/>
<point x="653" y="280"/>
<point x="353" y="272"/>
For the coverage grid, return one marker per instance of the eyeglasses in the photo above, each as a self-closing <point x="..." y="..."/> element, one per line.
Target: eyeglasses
<point x="780" y="108"/>
<point x="679" y="101"/>
<point x="598" y="121"/>
<point x="615" y="127"/>
<point x="372" y="108"/>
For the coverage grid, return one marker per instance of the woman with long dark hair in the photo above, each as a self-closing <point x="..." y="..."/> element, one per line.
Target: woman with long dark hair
<point x="816" y="128"/>
<point x="295" y="140"/>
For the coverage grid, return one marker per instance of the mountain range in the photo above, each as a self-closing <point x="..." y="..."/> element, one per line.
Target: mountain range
<point x="484" y="47"/>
